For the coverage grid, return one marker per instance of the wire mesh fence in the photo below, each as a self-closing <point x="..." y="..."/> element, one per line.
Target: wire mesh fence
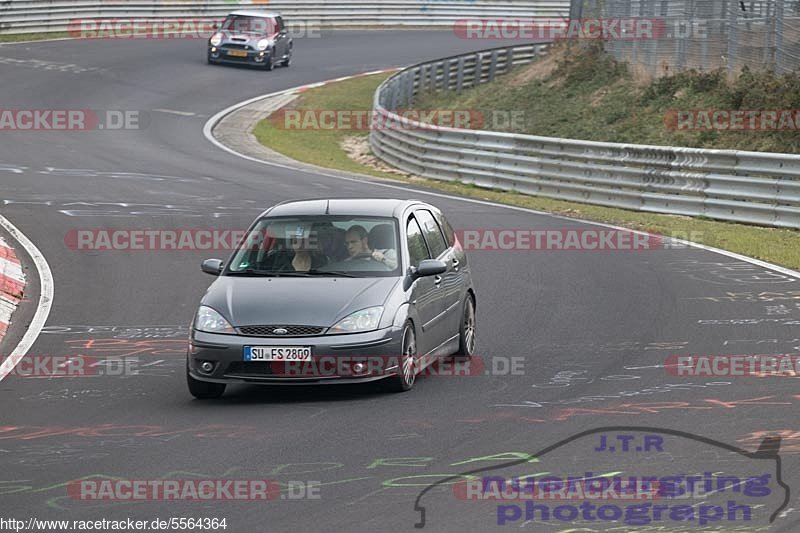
<point x="703" y="34"/>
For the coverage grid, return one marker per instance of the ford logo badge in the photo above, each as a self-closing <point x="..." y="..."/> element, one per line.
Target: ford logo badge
<point x="280" y="331"/>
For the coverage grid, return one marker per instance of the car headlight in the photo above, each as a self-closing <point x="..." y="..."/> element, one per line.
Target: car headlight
<point x="364" y="320"/>
<point x="216" y="39"/>
<point x="263" y="44"/>
<point x="210" y="321"/>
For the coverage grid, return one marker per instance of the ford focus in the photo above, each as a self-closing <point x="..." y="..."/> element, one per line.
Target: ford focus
<point x="334" y="291"/>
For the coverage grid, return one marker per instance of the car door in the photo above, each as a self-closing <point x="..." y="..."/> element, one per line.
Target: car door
<point x="452" y="280"/>
<point x="426" y="293"/>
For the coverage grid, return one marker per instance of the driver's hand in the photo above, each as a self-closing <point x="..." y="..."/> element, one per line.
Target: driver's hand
<point x="378" y="256"/>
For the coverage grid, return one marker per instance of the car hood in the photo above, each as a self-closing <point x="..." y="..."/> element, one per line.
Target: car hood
<point x="249" y="38"/>
<point x="248" y="301"/>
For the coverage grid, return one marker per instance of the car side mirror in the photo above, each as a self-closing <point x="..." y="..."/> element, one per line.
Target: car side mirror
<point x="428" y="267"/>
<point x="212" y="266"/>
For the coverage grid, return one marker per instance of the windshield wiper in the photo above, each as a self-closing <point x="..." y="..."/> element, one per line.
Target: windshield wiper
<point x="330" y="273"/>
<point x="289" y="273"/>
<point x="263" y="273"/>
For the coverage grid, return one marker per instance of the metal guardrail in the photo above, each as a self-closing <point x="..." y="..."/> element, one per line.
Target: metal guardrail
<point x="34" y="16"/>
<point x="751" y="187"/>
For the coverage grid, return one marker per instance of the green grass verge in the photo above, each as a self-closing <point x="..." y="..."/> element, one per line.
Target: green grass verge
<point x="9" y="38"/>
<point x="586" y="94"/>
<point x="321" y="147"/>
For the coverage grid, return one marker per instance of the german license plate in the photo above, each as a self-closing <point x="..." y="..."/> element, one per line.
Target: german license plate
<point x="277" y="353"/>
<point x="237" y="53"/>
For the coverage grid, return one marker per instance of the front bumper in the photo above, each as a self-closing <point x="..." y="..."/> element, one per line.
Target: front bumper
<point x="220" y="54"/>
<point x="334" y="358"/>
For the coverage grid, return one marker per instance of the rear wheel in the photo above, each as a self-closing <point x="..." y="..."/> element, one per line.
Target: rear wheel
<point x="406" y="372"/>
<point x="466" y="332"/>
<point x="204" y="390"/>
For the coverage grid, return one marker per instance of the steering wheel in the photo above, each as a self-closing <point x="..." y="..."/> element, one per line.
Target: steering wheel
<point x="363" y="255"/>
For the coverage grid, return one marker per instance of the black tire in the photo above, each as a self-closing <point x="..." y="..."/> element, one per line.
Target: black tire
<point x="466" y="331"/>
<point x="288" y="61"/>
<point x="406" y="373"/>
<point x="268" y="63"/>
<point x="204" y="390"/>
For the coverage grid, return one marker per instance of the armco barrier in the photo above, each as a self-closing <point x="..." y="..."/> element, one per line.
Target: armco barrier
<point x="752" y="187"/>
<point x="35" y="16"/>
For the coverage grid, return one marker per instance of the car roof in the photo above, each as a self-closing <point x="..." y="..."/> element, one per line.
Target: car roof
<point x="388" y="207"/>
<point x="250" y="13"/>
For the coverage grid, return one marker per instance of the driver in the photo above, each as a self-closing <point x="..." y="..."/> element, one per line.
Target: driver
<point x="356" y="240"/>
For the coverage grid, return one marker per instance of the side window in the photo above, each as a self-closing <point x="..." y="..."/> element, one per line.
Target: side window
<point x="433" y="235"/>
<point x="279" y="20"/>
<point x="416" y="244"/>
<point x="449" y="233"/>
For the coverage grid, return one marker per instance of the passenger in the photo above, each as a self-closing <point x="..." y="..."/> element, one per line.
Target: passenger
<point x="304" y="253"/>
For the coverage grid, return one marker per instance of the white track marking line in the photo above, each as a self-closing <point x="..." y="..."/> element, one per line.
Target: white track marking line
<point x="46" y="291"/>
<point x="174" y="112"/>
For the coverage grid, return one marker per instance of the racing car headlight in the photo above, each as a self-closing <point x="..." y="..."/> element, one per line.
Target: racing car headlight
<point x="216" y="39"/>
<point x="364" y="320"/>
<point x="263" y="44"/>
<point x="210" y="321"/>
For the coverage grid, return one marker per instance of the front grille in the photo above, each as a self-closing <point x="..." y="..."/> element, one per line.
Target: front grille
<point x="291" y="331"/>
<point x="254" y="368"/>
<point x="237" y="46"/>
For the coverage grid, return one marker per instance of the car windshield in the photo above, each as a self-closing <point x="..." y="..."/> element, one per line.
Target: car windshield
<point x="241" y="24"/>
<point x="307" y="246"/>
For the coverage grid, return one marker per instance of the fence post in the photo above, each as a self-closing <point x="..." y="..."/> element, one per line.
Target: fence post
<point x="733" y="31"/>
<point x="683" y="39"/>
<point x="575" y="9"/>
<point x="778" y="38"/>
<point x="493" y="65"/>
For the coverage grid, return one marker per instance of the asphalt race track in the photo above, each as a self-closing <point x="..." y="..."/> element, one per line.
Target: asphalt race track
<point x="589" y="331"/>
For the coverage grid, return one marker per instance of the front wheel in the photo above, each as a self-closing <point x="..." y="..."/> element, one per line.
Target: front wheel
<point x="466" y="332"/>
<point x="204" y="390"/>
<point x="288" y="61"/>
<point x="268" y="63"/>
<point x="406" y="372"/>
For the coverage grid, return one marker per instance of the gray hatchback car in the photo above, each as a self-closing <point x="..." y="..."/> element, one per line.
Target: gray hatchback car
<point x="334" y="291"/>
<point x="256" y="38"/>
